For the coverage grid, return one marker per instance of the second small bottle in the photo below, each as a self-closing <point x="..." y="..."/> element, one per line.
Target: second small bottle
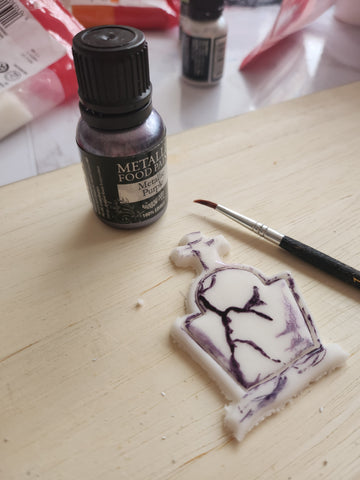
<point x="204" y="33"/>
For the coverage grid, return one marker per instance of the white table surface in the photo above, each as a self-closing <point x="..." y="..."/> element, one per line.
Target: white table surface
<point x="325" y="54"/>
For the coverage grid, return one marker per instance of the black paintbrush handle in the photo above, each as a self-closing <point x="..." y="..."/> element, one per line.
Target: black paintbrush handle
<point x="320" y="260"/>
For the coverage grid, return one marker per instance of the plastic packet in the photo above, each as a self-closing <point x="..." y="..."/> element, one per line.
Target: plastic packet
<point x="293" y="16"/>
<point x="251" y="3"/>
<point x="36" y="67"/>
<point x="142" y="14"/>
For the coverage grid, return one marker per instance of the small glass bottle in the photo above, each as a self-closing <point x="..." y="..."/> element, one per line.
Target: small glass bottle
<point x="122" y="139"/>
<point x="204" y="33"/>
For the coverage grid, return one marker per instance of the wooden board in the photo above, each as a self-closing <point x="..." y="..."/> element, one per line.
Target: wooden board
<point x="92" y="387"/>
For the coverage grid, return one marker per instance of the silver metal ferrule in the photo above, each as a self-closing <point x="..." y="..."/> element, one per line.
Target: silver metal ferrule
<point x="256" y="227"/>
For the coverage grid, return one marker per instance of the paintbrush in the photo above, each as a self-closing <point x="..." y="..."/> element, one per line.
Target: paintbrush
<point x="308" y="254"/>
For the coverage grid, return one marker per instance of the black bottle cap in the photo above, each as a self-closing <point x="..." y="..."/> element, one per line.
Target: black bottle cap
<point x="112" y="69"/>
<point x="204" y="10"/>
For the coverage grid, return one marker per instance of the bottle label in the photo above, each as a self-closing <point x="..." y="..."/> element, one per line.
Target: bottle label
<point x="218" y="58"/>
<point x="26" y="47"/>
<point x="203" y="58"/>
<point x="127" y="190"/>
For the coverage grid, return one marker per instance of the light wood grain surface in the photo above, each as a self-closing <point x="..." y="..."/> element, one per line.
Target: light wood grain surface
<point x="91" y="386"/>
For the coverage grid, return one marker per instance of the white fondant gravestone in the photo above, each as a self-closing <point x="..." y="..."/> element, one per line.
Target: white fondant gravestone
<point x="254" y="335"/>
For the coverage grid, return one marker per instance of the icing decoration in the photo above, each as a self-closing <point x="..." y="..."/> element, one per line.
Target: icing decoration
<point x="254" y="335"/>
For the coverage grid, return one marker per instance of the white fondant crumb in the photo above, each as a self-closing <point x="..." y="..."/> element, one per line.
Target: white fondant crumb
<point x="321" y="409"/>
<point x="139" y="303"/>
<point x="163" y="437"/>
<point x="163" y="394"/>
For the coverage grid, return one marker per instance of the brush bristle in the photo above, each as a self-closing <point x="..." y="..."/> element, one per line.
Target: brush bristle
<point x="207" y="203"/>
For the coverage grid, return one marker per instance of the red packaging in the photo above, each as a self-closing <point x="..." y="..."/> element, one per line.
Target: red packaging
<point x="37" y="71"/>
<point x="142" y="14"/>
<point x="293" y="16"/>
<point x="62" y="26"/>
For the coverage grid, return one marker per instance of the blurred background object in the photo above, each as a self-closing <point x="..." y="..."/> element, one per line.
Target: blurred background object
<point x="348" y="11"/>
<point x="36" y="67"/>
<point x="203" y="42"/>
<point x="251" y="3"/>
<point x="149" y="15"/>
<point x="324" y="54"/>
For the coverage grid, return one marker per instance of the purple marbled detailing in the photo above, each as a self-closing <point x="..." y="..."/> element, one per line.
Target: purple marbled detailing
<point x="297" y="343"/>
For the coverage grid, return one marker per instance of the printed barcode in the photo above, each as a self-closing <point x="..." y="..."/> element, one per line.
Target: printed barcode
<point x="9" y="13"/>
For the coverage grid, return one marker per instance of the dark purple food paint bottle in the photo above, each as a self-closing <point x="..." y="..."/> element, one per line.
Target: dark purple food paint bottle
<point x="122" y="139"/>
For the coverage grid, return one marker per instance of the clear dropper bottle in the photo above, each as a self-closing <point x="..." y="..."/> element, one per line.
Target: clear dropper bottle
<point x="122" y="139"/>
<point x="204" y="33"/>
